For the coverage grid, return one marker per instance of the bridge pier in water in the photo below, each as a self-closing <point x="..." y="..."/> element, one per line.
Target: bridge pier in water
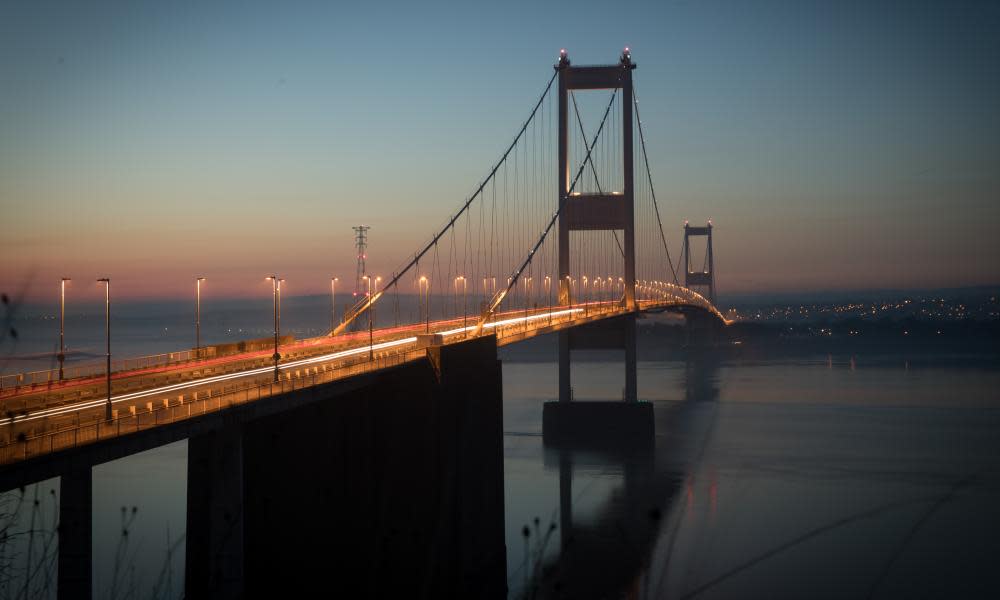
<point x="611" y="422"/>
<point x="215" y="514"/>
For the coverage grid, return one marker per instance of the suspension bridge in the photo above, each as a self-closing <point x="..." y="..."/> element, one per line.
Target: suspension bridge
<point x="563" y="235"/>
<point x="515" y="260"/>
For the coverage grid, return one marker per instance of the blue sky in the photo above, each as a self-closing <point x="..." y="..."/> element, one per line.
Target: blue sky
<point x="834" y="144"/>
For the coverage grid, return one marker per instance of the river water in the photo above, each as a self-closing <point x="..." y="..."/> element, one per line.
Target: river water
<point x="841" y="476"/>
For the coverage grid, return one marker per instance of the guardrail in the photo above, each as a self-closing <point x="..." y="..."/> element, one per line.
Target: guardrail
<point x="163" y="411"/>
<point x="668" y="294"/>
<point x="48" y="376"/>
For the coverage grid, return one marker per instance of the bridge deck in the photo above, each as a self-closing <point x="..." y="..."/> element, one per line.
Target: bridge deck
<point x="63" y="415"/>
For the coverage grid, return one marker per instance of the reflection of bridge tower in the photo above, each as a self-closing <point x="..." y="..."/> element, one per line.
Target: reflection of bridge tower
<point x="702" y="281"/>
<point x="597" y="212"/>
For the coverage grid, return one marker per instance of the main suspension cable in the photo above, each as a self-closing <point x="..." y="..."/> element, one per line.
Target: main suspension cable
<point x="555" y="216"/>
<point x="649" y="175"/>
<point x="368" y="301"/>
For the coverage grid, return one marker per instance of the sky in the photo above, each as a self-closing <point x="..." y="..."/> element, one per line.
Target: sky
<point x="835" y="145"/>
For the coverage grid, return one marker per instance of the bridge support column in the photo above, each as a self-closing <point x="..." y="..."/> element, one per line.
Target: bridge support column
<point x="75" y="534"/>
<point x="611" y="211"/>
<point x="617" y="423"/>
<point x="613" y="334"/>
<point x="214" y="562"/>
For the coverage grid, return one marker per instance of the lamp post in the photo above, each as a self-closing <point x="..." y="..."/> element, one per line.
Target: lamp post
<point x="423" y="282"/>
<point x="62" y="325"/>
<point x="371" y="314"/>
<point x="465" y="305"/>
<point x="548" y="295"/>
<point x="275" y="291"/>
<point x="371" y="334"/>
<point x="527" y="300"/>
<point x="197" y="316"/>
<point x="280" y="281"/>
<point x="107" y="337"/>
<point x="333" y="304"/>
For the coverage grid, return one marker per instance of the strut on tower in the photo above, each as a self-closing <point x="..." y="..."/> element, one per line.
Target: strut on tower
<point x="361" y="242"/>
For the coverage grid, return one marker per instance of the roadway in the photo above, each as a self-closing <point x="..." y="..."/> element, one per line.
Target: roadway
<point x="151" y="396"/>
<point x="35" y="412"/>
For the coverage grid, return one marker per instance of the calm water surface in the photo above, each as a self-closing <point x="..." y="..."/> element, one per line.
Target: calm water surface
<point x="772" y="479"/>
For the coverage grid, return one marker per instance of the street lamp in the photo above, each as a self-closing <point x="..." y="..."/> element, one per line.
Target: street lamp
<point x="422" y="283"/>
<point x="371" y="307"/>
<point x="107" y="337"/>
<point x="527" y="300"/>
<point x="465" y="305"/>
<point x="197" y="316"/>
<point x="548" y="295"/>
<point x="62" y="323"/>
<point x="371" y="326"/>
<point x="333" y="303"/>
<point x="275" y="295"/>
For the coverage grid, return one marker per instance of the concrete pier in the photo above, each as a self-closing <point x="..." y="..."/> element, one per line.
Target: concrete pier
<point x="75" y="527"/>
<point x="215" y="525"/>
<point x="392" y="490"/>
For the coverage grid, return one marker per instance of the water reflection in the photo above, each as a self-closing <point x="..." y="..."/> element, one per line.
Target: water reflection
<point x="767" y="479"/>
<point x="701" y="377"/>
<point x="604" y="549"/>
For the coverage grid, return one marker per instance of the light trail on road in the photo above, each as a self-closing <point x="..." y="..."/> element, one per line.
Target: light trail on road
<point x="61" y="410"/>
<point x="97" y="403"/>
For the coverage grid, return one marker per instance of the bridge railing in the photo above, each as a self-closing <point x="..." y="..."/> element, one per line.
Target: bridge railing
<point x="508" y="327"/>
<point x="94" y="369"/>
<point x="182" y="407"/>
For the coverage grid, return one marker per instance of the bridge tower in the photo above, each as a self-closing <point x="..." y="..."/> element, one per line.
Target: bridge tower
<point x="702" y="281"/>
<point x="597" y="212"/>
